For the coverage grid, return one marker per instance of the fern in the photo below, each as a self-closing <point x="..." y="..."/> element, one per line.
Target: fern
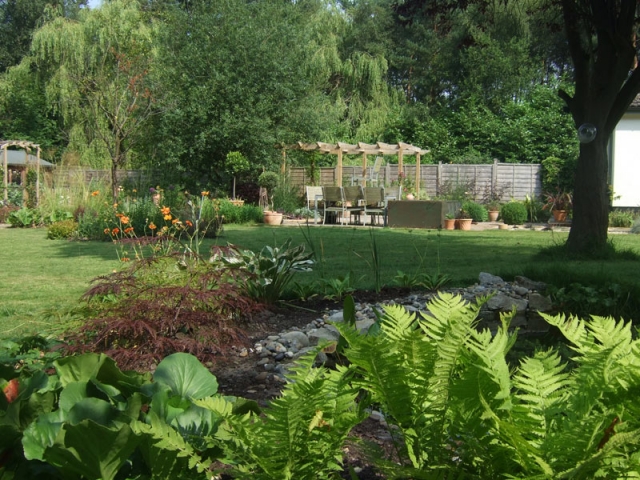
<point x="462" y="412"/>
<point x="302" y="433"/>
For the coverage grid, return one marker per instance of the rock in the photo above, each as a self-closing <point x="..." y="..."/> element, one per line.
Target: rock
<point x="322" y="334"/>
<point x="364" y="325"/>
<point x="488" y="279"/>
<point x="540" y="303"/>
<point x="298" y="339"/>
<point x="505" y="303"/>
<point x="530" y="284"/>
<point x="243" y="353"/>
<point x="522" y="291"/>
<point x="279" y="356"/>
<point x="337" y="317"/>
<point x="262" y="377"/>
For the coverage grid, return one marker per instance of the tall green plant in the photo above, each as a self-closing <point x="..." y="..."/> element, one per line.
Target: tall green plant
<point x="462" y="411"/>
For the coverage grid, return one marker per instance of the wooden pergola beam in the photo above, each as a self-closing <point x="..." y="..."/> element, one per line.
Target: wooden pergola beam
<point x="341" y="148"/>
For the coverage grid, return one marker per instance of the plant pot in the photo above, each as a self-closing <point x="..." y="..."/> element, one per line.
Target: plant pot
<point x="237" y="203"/>
<point x="504" y="226"/>
<point x="464" y="223"/>
<point x="559" y="215"/>
<point x="493" y="215"/>
<point x="156" y="198"/>
<point x="272" y="218"/>
<point x="449" y="223"/>
<point x="410" y="196"/>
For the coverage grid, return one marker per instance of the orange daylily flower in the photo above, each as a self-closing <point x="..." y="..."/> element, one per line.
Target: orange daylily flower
<point x="152" y="226"/>
<point x="167" y="217"/>
<point x="96" y="193"/>
<point x="115" y="231"/>
<point x="124" y="219"/>
<point x="107" y="231"/>
<point x="125" y="259"/>
<point x="128" y="230"/>
<point x="205" y="193"/>
<point x="175" y="220"/>
<point x="188" y="223"/>
<point x="165" y="210"/>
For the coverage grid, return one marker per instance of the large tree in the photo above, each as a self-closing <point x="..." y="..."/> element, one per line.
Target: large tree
<point x="100" y="69"/>
<point x="602" y="40"/>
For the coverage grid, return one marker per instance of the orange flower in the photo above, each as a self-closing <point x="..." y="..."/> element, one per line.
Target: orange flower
<point x="152" y="226"/>
<point x="165" y="210"/>
<point x="175" y="220"/>
<point x="125" y="259"/>
<point x="167" y="217"/>
<point x="188" y="223"/>
<point x="205" y="193"/>
<point x="96" y="193"/>
<point x="115" y="205"/>
<point x="115" y="231"/>
<point x="119" y="215"/>
<point x="107" y="231"/>
<point x="128" y="230"/>
<point x="124" y="219"/>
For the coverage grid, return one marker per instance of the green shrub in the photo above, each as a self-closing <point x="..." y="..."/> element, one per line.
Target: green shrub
<point x="239" y="215"/>
<point x="513" y="213"/>
<point x="25" y="217"/>
<point x="478" y="212"/>
<point x="464" y="412"/>
<point x="619" y="218"/>
<point x="62" y="230"/>
<point x="535" y="210"/>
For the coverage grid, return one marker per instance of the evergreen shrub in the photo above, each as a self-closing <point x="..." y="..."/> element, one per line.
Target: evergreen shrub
<point x="513" y="213"/>
<point x="478" y="212"/>
<point x="62" y="230"/>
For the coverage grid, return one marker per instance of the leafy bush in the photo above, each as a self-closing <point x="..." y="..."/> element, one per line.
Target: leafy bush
<point x="513" y="213"/>
<point x="477" y="212"/>
<point x="271" y="270"/>
<point x="25" y="217"/>
<point x="161" y="305"/>
<point x="464" y="412"/>
<point x="239" y="215"/>
<point x="62" y="230"/>
<point x="619" y="218"/>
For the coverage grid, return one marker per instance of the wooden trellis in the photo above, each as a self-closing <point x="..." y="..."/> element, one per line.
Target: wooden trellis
<point x="364" y="149"/>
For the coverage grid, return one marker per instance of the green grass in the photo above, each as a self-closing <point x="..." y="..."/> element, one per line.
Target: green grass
<point x="42" y="279"/>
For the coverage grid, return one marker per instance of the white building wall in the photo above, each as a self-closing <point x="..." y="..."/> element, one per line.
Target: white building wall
<point x="626" y="162"/>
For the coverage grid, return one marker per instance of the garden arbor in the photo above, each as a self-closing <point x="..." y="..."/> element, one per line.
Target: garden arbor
<point x="27" y="147"/>
<point x="364" y="149"/>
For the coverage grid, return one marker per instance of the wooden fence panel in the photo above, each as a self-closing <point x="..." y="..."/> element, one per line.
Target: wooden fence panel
<point x="517" y="180"/>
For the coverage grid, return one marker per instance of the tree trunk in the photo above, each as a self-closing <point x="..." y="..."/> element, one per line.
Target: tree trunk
<point x="591" y="198"/>
<point x="114" y="181"/>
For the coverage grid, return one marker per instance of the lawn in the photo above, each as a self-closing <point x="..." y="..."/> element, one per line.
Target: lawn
<point x="42" y="279"/>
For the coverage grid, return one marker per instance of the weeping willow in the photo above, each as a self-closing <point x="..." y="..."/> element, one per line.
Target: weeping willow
<point x="99" y="68"/>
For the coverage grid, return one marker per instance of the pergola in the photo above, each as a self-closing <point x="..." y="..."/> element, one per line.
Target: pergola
<point x="364" y="149"/>
<point x="26" y="146"/>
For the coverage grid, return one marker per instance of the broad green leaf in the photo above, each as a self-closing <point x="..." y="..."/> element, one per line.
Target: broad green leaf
<point x="79" y="368"/>
<point x="94" y="409"/>
<point x="92" y="450"/>
<point x="72" y="394"/>
<point x="186" y="376"/>
<point x="40" y="435"/>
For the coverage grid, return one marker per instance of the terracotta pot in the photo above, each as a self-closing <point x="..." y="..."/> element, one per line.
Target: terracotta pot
<point x="156" y="198"/>
<point x="449" y="223"/>
<point x="504" y="226"/>
<point x="559" y="215"/>
<point x="272" y="218"/>
<point x="237" y="203"/>
<point x="410" y="196"/>
<point x="464" y="223"/>
<point x="493" y="215"/>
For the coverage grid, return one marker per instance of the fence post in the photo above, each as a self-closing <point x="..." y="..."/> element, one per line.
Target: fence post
<point x="438" y="178"/>
<point x="494" y="175"/>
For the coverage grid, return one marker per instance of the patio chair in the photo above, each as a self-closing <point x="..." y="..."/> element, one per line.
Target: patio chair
<point x="314" y="202"/>
<point x="375" y="204"/>
<point x="334" y="203"/>
<point x="374" y="174"/>
<point x="354" y="197"/>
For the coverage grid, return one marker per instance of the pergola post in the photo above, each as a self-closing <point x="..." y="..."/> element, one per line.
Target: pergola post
<point x="38" y="175"/>
<point x="339" y="169"/>
<point x="400" y="162"/>
<point x="418" y="174"/>
<point x="364" y="168"/>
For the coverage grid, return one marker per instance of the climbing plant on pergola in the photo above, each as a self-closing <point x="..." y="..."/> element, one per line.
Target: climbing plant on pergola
<point x="27" y="147"/>
<point x="400" y="150"/>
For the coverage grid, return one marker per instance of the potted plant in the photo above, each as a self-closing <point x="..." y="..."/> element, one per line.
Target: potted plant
<point x="463" y="220"/>
<point x="268" y="181"/>
<point x="493" y="208"/>
<point x="450" y="221"/>
<point x="559" y="203"/>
